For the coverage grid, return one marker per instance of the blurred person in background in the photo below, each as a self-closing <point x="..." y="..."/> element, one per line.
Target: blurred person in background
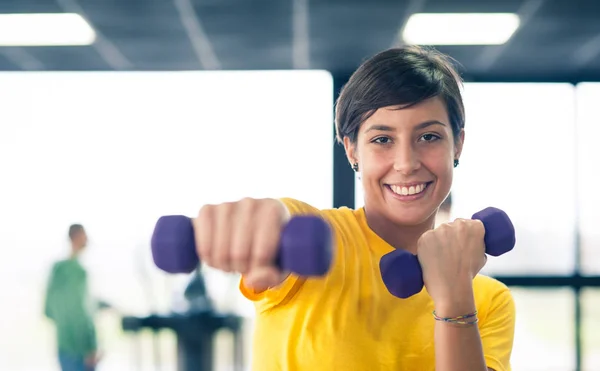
<point x="69" y="307"/>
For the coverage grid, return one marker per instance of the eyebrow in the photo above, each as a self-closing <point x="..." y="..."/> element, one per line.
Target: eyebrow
<point x="422" y="125"/>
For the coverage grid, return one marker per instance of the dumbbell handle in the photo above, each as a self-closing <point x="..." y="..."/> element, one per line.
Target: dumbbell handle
<point x="304" y="248"/>
<point x="401" y="271"/>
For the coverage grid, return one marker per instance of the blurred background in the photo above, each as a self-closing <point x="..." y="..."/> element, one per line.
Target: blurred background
<point x="117" y="112"/>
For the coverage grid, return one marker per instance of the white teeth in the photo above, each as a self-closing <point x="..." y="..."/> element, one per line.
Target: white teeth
<point x="405" y="191"/>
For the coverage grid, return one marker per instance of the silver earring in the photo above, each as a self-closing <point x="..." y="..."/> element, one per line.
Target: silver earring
<point x="455" y="162"/>
<point x="355" y="167"/>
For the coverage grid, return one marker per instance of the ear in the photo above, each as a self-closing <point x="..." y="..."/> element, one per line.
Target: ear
<point x="351" y="152"/>
<point x="458" y="144"/>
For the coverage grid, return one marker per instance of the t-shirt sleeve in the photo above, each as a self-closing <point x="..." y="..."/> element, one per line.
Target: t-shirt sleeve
<point x="497" y="331"/>
<point x="274" y="296"/>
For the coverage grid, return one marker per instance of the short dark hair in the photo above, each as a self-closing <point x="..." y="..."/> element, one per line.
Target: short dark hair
<point x="74" y="229"/>
<point x="399" y="77"/>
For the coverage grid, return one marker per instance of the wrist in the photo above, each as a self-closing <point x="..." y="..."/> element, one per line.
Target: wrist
<point x="457" y="301"/>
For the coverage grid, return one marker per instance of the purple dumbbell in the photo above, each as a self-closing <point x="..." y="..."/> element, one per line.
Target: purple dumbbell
<point x="401" y="271"/>
<point x="304" y="249"/>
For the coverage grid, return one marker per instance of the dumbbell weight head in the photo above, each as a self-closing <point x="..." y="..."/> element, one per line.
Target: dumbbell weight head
<point x="173" y="244"/>
<point x="306" y="247"/>
<point x="401" y="273"/>
<point x="500" y="236"/>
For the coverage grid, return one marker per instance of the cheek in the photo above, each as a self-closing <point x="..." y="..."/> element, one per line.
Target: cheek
<point x="441" y="165"/>
<point x="375" y="167"/>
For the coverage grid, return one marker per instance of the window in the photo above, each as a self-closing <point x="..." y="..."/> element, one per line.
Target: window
<point x="590" y="328"/>
<point x="588" y="180"/>
<point x="519" y="156"/>
<point x="539" y="346"/>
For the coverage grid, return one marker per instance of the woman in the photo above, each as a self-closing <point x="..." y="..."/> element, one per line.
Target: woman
<point x="400" y="118"/>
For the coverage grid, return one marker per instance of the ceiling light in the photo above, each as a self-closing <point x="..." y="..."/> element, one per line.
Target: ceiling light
<point x="460" y="28"/>
<point x="45" y="30"/>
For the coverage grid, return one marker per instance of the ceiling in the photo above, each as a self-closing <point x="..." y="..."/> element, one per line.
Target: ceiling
<point x="559" y="40"/>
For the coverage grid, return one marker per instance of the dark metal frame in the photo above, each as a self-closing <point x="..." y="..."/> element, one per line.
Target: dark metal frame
<point x="344" y="195"/>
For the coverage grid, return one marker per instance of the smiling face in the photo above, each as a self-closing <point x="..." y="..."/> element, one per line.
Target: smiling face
<point x="405" y="158"/>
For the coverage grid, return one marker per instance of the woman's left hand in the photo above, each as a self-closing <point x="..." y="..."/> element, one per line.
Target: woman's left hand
<point x="451" y="256"/>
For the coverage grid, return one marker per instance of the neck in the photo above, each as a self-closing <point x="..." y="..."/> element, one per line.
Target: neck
<point x="398" y="236"/>
<point x="74" y="252"/>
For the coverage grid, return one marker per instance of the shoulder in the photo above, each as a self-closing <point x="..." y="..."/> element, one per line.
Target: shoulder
<point x="487" y="288"/>
<point x="341" y="219"/>
<point x="493" y="295"/>
<point x="60" y="265"/>
<point x="69" y="267"/>
<point x="297" y="207"/>
<point x="483" y="282"/>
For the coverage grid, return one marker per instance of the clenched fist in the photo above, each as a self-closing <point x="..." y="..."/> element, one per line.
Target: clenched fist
<point x="451" y="256"/>
<point x="243" y="237"/>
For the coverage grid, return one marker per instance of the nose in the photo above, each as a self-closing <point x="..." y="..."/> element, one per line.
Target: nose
<point x="406" y="160"/>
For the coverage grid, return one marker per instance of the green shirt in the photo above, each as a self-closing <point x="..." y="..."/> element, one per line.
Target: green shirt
<point x="67" y="305"/>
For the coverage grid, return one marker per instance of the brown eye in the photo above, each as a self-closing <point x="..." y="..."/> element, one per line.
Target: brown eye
<point x="382" y="140"/>
<point x="430" y="137"/>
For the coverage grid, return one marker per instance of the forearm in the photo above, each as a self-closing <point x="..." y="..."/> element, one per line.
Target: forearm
<point x="48" y="298"/>
<point x="93" y="339"/>
<point x="47" y="309"/>
<point x="458" y="346"/>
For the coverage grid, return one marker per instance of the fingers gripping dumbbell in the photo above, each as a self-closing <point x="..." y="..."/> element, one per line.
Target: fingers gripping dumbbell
<point x="304" y="247"/>
<point x="401" y="271"/>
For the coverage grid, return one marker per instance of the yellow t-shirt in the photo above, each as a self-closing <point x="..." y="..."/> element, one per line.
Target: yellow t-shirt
<point x="348" y="321"/>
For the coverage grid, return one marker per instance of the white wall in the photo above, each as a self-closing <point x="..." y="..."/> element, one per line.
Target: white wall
<point x="115" y="151"/>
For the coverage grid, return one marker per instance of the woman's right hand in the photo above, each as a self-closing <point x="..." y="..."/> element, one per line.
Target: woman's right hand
<point x="243" y="237"/>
